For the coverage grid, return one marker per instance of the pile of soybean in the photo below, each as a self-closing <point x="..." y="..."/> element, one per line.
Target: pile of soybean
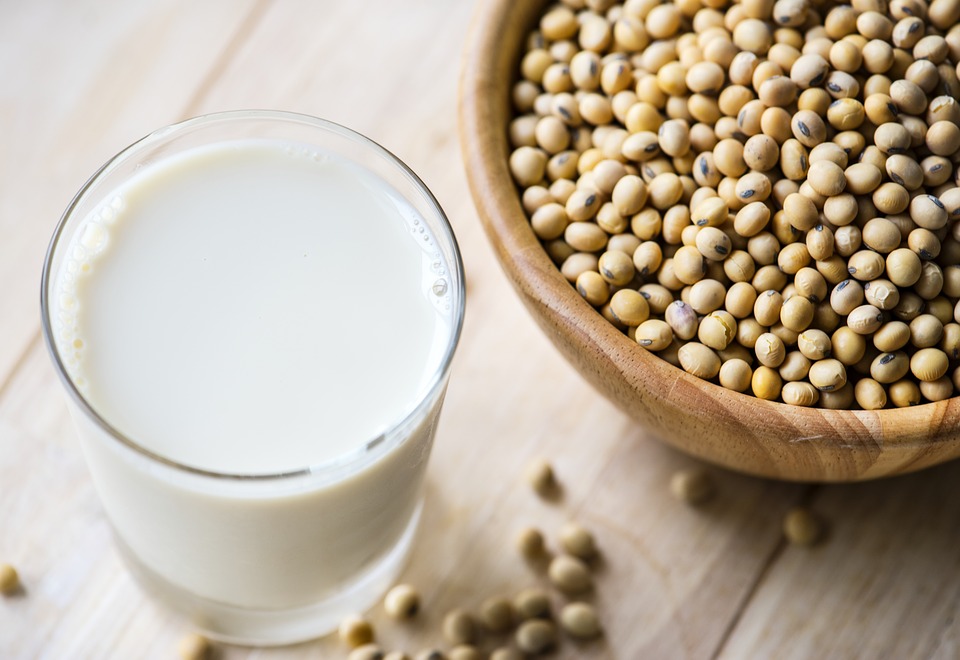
<point x="762" y="192"/>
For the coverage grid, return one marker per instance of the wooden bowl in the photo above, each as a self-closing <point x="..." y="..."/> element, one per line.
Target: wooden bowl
<point x="731" y="429"/>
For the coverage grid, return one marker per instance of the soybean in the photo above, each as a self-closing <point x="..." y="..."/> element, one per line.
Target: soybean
<point x="802" y="527"/>
<point x="537" y="635"/>
<point x="531" y="603"/>
<point x="580" y="620"/>
<point x="367" y="652"/>
<point x="355" y="631"/>
<point x="9" y="579"/>
<point x="699" y="360"/>
<point x="402" y="602"/>
<point x="569" y="574"/>
<point x="195" y="647"/>
<point x="694" y="485"/>
<point x="459" y="627"/>
<point x="496" y="614"/>
<point x="530" y="543"/>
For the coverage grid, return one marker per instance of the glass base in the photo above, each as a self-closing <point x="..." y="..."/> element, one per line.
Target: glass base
<point x="252" y="627"/>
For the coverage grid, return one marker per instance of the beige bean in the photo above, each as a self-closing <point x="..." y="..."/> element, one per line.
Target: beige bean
<point x="699" y="360"/>
<point x="865" y="319"/>
<point x="800" y="394"/>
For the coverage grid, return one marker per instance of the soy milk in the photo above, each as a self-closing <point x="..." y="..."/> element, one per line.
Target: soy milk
<point x="256" y="334"/>
<point x="253" y="308"/>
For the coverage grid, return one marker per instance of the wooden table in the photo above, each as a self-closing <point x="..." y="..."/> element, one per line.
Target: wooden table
<point x="82" y="79"/>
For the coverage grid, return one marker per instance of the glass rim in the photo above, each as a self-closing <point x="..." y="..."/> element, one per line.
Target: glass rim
<point x="372" y="448"/>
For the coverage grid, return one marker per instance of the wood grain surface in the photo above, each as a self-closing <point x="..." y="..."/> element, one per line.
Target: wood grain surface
<point x="83" y="79"/>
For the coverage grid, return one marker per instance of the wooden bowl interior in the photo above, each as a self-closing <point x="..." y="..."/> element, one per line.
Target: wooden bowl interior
<point x="703" y="419"/>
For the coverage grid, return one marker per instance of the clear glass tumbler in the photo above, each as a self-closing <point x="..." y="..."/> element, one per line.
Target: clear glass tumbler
<point x="262" y="558"/>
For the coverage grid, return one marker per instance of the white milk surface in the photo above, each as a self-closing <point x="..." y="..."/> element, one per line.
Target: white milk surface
<point x="252" y="307"/>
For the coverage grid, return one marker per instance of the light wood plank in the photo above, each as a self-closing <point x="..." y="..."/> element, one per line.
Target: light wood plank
<point x="886" y="583"/>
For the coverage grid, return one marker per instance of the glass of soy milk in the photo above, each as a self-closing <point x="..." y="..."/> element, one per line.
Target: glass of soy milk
<point x="253" y="314"/>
